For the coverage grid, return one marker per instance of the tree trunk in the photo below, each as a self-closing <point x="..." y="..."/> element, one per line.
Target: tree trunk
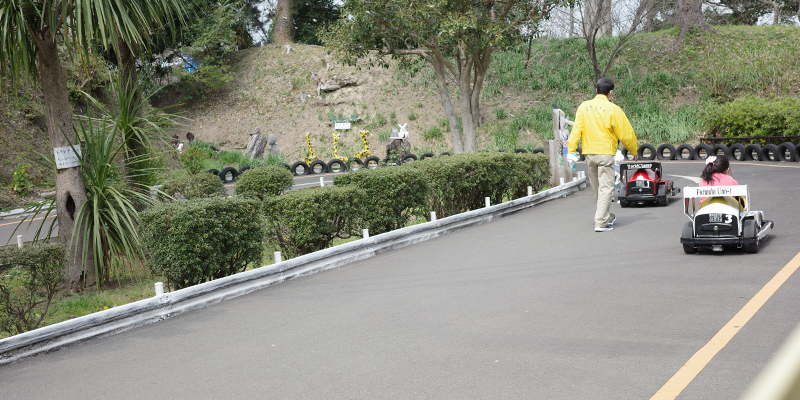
<point x="689" y="15"/>
<point x="572" y="20"/>
<point x="597" y="17"/>
<point x="481" y="66"/>
<point x="465" y="97"/>
<point x="70" y="189"/>
<point x="441" y="82"/>
<point x="284" y="23"/>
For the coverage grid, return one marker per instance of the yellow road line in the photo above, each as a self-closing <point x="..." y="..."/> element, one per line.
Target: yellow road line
<point x="686" y="374"/>
<point x="14" y="223"/>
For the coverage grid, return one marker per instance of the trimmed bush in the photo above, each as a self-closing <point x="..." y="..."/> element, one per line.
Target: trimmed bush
<point x="195" y="241"/>
<point x="29" y="278"/>
<point x="460" y="183"/>
<point x="307" y="220"/>
<point x="393" y="195"/>
<point x="261" y="182"/>
<point x="194" y="186"/>
<point x="753" y="116"/>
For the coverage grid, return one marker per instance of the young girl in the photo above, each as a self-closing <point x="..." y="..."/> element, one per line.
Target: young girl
<point x="716" y="171"/>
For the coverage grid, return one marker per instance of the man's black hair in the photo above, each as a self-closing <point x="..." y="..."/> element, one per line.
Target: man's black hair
<point x="604" y="86"/>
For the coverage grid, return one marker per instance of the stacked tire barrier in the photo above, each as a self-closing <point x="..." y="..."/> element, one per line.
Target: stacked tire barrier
<point x="786" y="152"/>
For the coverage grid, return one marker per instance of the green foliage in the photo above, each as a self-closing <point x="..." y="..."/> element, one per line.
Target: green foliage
<point x="195" y="241"/>
<point x="261" y="182"/>
<point x="29" y="278"/>
<point x="206" y="80"/>
<point x="393" y="195"/>
<point x="307" y="220"/>
<point x="753" y="116"/>
<point x="21" y="185"/>
<point x="460" y="183"/>
<point x="312" y="16"/>
<point x="193" y="158"/>
<point x="217" y="29"/>
<point x="432" y="133"/>
<point x="193" y="186"/>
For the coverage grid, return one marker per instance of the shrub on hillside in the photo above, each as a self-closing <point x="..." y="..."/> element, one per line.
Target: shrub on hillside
<point x="307" y="220"/>
<point x="195" y="241"/>
<point x="261" y="182"/>
<point x="460" y="183"/>
<point x="393" y="195"/>
<point x="193" y="186"/>
<point x="753" y="116"/>
<point x="29" y="278"/>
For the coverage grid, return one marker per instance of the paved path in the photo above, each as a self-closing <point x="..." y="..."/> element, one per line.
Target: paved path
<point x="536" y="305"/>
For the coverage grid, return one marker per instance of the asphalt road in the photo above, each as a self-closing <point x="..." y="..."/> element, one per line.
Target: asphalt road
<point x="535" y="305"/>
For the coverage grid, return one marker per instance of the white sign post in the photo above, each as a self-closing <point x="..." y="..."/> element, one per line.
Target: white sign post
<point x="66" y="158"/>
<point x="344" y="126"/>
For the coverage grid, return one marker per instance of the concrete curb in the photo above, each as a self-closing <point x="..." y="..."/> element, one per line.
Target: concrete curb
<point x="147" y="311"/>
<point x="12" y="214"/>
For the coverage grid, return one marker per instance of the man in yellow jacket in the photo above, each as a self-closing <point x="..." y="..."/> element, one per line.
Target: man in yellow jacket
<point x="601" y="125"/>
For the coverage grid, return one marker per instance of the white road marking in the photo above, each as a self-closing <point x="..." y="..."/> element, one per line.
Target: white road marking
<point x="691" y="178"/>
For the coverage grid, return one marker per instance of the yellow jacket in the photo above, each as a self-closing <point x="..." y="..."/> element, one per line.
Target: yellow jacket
<point x="601" y="123"/>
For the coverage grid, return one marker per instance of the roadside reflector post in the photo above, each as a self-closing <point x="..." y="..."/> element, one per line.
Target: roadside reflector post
<point x="530" y="191"/>
<point x="321" y="182"/>
<point x="365" y="233"/>
<point x="488" y="202"/>
<point x="277" y="256"/>
<point x="19" y="241"/>
<point x="561" y="180"/>
<point x="159" y="288"/>
<point x="433" y="216"/>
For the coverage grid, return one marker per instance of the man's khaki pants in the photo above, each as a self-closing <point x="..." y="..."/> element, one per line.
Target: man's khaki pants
<point x="601" y="176"/>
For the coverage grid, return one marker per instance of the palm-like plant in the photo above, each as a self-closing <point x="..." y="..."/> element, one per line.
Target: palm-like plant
<point x="30" y="31"/>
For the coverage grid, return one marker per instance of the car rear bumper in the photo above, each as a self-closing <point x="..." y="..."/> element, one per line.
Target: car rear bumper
<point x="730" y="241"/>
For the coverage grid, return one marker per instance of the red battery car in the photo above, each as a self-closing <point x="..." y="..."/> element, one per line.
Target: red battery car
<point x="644" y="185"/>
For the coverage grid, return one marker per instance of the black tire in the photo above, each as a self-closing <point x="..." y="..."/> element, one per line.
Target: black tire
<point x="721" y="149"/>
<point x="624" y="203"/>
<point x="299" y="168"/>
<point x="749" y="230"/>
<point x="284" y="165"/>
<point x="701" y="149"/>
<point x="687" y="234"/>
<point x="664" y="148"/>
<point x="523" y="151"/>
<point x="244" y="168"/>
<point x="797" y="152"/>
<point x="786" y="151"/>
<point x="407" y="158"/>
<point x="213" y="171"/>
<point x="644" y="147"/>
<point x="662" y="191"/>
<point x="684" y="152"/>
<point x="769" y="152"/>
<point x="538" y="150"/>
<point x="736" y="152"/>
<point x="427" y="155"/>
<point x="446" y="153"/>
<point x="752" y="152"/>
<point x="355" y="164"/>
<point x="336" y="166"/>
<point x="372" y="162"/>
<point x="317" y="167"/>
<point x="226" y="172"/>
<point x="581" y="157"/>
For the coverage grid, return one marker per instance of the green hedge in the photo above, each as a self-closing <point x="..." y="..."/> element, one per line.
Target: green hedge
<point x="193" y="186"/>
<point x="29" y="278"/>
<point x="753" y="116"/>
<point x="259" y="182"/>
<point x="194" y="241"/>
<point x="460" y="183"/>
<point x="307" y="220"/>
<point x="393" y="195"/>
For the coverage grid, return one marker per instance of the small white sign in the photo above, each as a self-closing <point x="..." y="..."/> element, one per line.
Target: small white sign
<point x="342" y="126"/>
<point x="66" y="158"/>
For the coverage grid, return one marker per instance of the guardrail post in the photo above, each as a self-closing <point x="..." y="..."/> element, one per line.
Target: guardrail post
<point x="159" y="288"/>
<point x="433" y="216"/>
<point x="488" y="202"/>
<point x="277" y="256"/>
<point x="560" y="181"/>
<point x="530" y="191"/>
<point x="321" y="182"/>
<point x="365" y="233"/>
<point x="19" y="241"/>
